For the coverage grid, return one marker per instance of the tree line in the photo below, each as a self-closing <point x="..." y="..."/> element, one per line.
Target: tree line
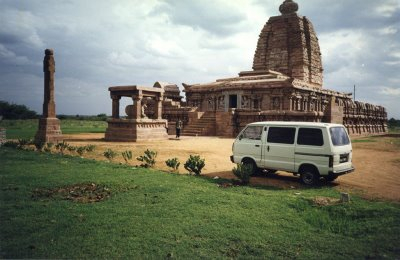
<point x="14" y="111"/>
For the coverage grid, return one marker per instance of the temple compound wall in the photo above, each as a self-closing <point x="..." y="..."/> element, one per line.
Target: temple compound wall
<point x="286" y="84"/>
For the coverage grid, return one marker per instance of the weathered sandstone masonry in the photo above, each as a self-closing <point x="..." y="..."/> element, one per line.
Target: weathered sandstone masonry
<point x="49" y="126"/>
<point x="138" y="125"/>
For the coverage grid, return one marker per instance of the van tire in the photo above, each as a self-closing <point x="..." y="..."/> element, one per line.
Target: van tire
<point x="255" y="170"/>
<point x="309" y="176"/>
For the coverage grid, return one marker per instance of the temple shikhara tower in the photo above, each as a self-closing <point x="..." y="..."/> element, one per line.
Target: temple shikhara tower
<point x="49" y="126"/>
<point x="285" y="84"/>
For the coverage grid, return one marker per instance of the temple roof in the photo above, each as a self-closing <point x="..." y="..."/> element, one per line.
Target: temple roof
<point x="267" y="79"/>
<point x="289" y="44"/>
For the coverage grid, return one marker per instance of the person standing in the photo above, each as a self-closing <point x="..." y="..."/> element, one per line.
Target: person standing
<point x="179" y="126"/>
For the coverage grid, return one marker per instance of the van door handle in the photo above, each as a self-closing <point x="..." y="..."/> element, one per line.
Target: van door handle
<point x="268" y="148"/>
<point x="257" y="145"/>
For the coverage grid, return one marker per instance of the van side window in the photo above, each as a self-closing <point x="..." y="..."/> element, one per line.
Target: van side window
<point x="281" y="135"/>
<point x="310" y="136"/>
<point x="253" y="132"/>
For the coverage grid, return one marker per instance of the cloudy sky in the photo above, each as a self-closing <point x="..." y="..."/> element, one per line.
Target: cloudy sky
<point x="102" y="43"/>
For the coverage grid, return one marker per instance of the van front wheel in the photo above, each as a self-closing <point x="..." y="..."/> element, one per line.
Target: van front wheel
<point x="255" y="169"/>
<point x="309" y="177"/>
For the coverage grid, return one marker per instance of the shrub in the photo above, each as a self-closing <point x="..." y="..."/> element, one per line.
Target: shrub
<point x="10" y="144"/>
<point x="71" y="148"/>
<point x="243" y="172"/>
<point x="110" y="154"/>
<point x="194" y="164"/>
<point x="62" y="146"/>
<point x="90" y="147"/>
<point x="173" y="163"/>
<point x="81" y="150"/>
<point x="23" y="142"/>
<point x="148" y="159"/>
<point x="39" y="144"/>
<point x="48" y="147"/>
<point x="127" y="155"/>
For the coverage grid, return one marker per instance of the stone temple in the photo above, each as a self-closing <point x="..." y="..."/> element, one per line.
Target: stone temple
<point x="285" y="84"/>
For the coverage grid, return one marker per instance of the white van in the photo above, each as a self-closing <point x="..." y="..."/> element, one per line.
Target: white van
<point x="312" y="150"/>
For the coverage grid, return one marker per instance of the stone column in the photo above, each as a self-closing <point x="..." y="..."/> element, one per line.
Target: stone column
<point x="137" y="106"/>
<point x="158" y="107"/>
<point x="49" y="67"/>
<point x="115" y="106"/>
<point x="49" y="126"/>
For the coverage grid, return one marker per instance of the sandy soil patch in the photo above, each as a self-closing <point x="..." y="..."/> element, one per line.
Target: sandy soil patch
<point x="376" y="176"/>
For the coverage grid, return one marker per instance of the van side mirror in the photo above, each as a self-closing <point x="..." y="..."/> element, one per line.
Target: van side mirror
<point x="240" y="137"/>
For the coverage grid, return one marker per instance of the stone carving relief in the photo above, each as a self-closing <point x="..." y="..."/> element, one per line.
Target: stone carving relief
<point x="276" y="102"/>
<point x="246" y="102"/>
<point x="221" y="102"/>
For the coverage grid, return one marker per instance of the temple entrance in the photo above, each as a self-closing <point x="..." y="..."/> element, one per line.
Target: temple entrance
<point x="232" y="101"/>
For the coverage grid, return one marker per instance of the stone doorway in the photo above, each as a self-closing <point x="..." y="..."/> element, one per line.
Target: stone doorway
<point x="233" y="101"/>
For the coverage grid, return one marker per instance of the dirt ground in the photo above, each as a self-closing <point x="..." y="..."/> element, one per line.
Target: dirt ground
<point x="377" y="162"/>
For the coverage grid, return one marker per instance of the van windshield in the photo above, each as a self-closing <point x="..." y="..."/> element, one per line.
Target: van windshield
<point x="339" y="136"/>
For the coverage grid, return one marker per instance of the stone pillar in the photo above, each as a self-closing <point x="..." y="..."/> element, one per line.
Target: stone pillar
<point x="115" y="106"/>
<point x="137" y="107"/>
<point x="49" y="126"/>
<point x="49" y="68"/>
<point x="158" y="107"/>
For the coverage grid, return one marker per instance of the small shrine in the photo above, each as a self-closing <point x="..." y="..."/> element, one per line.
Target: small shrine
<point x="144" y="117"/>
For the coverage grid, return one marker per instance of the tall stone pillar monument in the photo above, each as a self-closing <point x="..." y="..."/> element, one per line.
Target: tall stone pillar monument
<point x="49" y="126"/>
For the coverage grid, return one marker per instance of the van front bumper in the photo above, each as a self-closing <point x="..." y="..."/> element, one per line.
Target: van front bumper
<point x="341" y="172"/>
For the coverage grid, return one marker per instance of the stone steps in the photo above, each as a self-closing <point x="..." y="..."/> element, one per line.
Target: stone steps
<point x="203" y="126"/>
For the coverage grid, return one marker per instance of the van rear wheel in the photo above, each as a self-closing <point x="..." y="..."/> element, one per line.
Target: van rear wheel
<point x="309" y="176"/>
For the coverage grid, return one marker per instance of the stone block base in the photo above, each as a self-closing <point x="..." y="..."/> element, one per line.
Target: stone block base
<point x="133" y="130"/>
<point x="49" y="131"/>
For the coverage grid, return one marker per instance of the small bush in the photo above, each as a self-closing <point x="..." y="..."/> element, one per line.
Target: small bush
<point x="173" y="163"/>
<point x="39" y="144"/>
<point x="48" y="147"/>
<point x="90" y="148"/>
<point x="243" y="172"/>
<point x="71" y="148"/>
<point x="81" y="150"/>
<point x="148" y="159"/>
<point x="127" y="155"/>
<point x="11" y="144"/>
<point x="110" y="154"/>
<point x="62" y="146"/>
<point x="23" y="142"/>
<point x="194" y="164"/>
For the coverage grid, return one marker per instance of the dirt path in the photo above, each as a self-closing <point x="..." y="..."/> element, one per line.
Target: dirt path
<point x="377" y="162"/>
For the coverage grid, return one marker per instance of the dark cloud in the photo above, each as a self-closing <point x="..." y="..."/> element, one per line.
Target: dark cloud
<point x="213" y="16"/>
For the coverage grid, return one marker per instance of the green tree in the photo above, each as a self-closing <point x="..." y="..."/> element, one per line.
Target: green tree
<point x="14" y="111"/>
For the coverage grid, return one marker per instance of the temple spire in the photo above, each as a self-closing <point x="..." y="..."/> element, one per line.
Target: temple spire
<point x="288" y="7"/>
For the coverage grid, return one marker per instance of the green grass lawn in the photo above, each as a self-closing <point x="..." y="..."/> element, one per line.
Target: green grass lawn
<point x="26" y="129"/>
<point x="152" y="214"/>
